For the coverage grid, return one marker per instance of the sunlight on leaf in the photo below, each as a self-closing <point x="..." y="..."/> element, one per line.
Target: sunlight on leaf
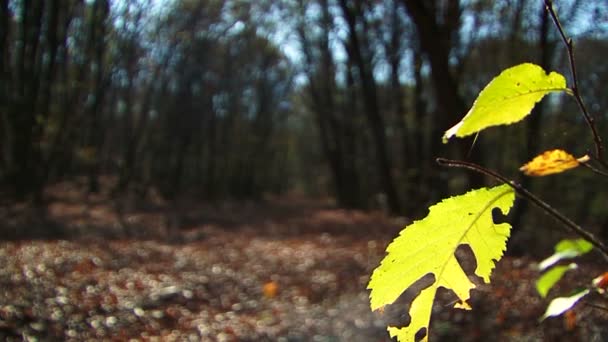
<point x="508" y="98"/>
<point x="550" y="162"/>
<point x="562" y="304"/>
<point x="552" y="276"/>
<point x="601" y="282"/>
<point x="566" y="249"/>
<point x="428" y="246"/>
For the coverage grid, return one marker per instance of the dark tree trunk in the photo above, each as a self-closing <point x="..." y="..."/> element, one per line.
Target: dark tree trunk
<point x="57" y="151"/>
<point x="100" y="14"/>
<point x="5" y="131"/>
<point x="22" y="114"/>
<point x="337" y="138"/>
<point x="534" y="121"/>
<point x="351" y="184"/>
<point x="435" y="36"/>
<point x="372" y="110"/>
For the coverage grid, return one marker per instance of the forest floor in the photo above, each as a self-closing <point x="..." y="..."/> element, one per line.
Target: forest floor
<point x="282" y="269"/>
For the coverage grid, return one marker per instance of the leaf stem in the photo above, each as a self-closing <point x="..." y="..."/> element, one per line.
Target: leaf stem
<point x="594" y="169"/>
<point x="523" y="192"/>
<point x="599" y="148"/>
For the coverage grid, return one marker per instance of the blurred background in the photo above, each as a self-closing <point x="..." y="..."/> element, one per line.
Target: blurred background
<point x="181" y="121"/>
<point x="237" y="99"/>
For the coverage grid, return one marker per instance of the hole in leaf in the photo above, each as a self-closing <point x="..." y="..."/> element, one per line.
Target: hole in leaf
<point x="466" y="258"/>
<point x="445" y="299"/>
<point x="498" y="217"/>
<point x="420" y="334"/>
<point x="398" y="312"/>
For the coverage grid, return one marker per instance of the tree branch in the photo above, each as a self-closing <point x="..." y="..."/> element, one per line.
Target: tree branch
<point x="599" y="148"/>
<point x="522" y="192"/>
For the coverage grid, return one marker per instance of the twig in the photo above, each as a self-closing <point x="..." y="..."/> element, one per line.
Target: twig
<point x="522" y="192"/>
<point x="594" y="169"/>
<point x="599" y="148"/>
<point x="595" y="306"/>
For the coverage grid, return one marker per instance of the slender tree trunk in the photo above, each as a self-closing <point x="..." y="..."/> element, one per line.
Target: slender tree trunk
<point x="332" y="130"/>
<point x="55" y="157"/>
<point x="25" y="149"/>
<point x="534" y="122"/>
<point x="372" y="110"/>
<point x="130" y="125"/>
<point x="98" y="27"/>
<point x="435" y="36"/>
<point x="5" y="130"/>
<point x="352" y="184"/>
<point x="394" y="52"/>
<point x="210" y="161"/>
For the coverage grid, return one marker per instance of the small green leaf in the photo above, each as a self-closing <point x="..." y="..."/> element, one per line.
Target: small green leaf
<point x="508" y="98"/>
<point x="552" y="276"/>
<point x="562" y="304"/>
<point x="566" y="249"/>
<point x="580" y="246"/>
<point x="428" y="246"/>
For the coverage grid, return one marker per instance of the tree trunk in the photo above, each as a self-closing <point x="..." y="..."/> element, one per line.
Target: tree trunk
<point x="534" y="122"/>
<point x="372" y="110"/>
<point x="5" y="132"/>
<point x="22" y="114"/>
<point x="101" y="9"/>
<point x="334" y="133"/>
<point x="435" y="37"/>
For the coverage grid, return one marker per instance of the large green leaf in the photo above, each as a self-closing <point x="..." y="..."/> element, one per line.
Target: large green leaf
<point x="508" y="98"/>
<point x="428" y="246"/>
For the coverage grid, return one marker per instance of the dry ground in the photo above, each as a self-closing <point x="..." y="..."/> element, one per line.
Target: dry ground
<point x="282" y="269"/>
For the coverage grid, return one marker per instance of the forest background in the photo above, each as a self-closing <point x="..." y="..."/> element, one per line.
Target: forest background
<point x="233" y="170"/>
<point x="235" y="100"/>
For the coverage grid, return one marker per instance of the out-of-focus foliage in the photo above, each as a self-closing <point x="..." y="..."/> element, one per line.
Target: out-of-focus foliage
<point x="562" y="304"/>
<point x="550" y="162"/>
<point x="191" y="97"/>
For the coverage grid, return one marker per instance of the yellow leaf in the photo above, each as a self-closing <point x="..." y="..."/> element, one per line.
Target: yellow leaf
<point x="429" y="246"/>
<point x="550" y="162"/>
<point x="508" y="98"/>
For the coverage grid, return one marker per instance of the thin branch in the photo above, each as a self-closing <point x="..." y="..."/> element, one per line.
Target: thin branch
<point x="522" y="192"/>
<point x="596" y="306"/>
<point x="594" y="169"/>
<point x="599" y="148"/>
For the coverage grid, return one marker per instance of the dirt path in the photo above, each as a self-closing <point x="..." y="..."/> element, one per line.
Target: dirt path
<point x="282" y="270"/>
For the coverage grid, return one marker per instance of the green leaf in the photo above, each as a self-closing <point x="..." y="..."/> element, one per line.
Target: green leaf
<point x="562" y="304"/>
<point x="580" y="246"/>
<point x="428" y="246"/>
<point x="566" y="249"/>
<point x="508" y="98"/>
<point x="552" y="276"/>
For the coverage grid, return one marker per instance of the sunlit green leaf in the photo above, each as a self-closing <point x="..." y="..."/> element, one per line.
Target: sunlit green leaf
<point x="508" y="98"/>
<point x="562" y="304"/>
<point x="428" y="246"/>
<point x="552" y="276"/>
<point x="566" y="249"/>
